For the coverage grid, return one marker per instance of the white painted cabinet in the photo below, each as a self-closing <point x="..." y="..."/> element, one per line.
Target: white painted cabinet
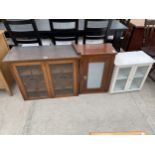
<point x="130" y="71"/>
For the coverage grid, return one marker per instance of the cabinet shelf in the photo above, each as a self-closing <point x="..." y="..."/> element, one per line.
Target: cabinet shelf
<point x="62" y="88"/>
<point x="27" y="71"/>
<point x="59" y="69"/>
<point x="63" y="92"/>
<point x="138" y="77"/>
<point x="36" y="90"/>
<point x="122" y="78"/>
<point x="62" y="74"/>
<point x="37" y="94"/>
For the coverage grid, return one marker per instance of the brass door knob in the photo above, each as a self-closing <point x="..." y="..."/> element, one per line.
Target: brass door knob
<point x="85" y="77"/>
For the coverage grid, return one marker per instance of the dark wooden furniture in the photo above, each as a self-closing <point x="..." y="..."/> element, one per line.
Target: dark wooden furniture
<point x="95" y="29"/>
<point x="96" y="66"/>
<point x="21" y="36"/>
<point x="51" y="71"/>
<point x="59" y="33"/>
<point x="6" y="78"/>
<point x="148" y="45"/>
<point x="133" y="41"/>
<point x="116" y="30"/>
<point x="125" y="21"/>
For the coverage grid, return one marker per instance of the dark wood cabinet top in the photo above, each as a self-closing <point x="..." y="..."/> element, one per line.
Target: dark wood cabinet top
<point x="41" y="53"/>
<point x="99" y="49"/>
<point x="138" y="22"/>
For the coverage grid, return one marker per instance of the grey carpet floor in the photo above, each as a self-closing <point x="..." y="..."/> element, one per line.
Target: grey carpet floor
<point x="102" y="112"/>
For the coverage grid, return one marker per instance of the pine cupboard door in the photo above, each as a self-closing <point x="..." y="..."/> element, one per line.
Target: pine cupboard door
<point x="95" y="73"/>
<point x="63" y="77"/>
<point x="32" y="79"/>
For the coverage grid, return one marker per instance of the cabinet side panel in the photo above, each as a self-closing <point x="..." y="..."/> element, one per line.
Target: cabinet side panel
<point x="18" y="81"/>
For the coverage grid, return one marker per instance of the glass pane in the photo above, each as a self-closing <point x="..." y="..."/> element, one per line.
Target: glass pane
<point x="120" y="85"/>
<point x="33" y="80"/>
<point x="123" y="73"/>
<point x="95" y="74"/>
<point x="136" y="83"/>
<point x="62" y="76"/>
<point x="141" y="71"/>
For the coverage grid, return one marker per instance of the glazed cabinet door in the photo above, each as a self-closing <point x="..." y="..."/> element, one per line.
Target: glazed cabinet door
<point x="121" y="79"/>
<point x="139" y="77"/>
<point x="63" y="77"/>
<point x="95" y="73"/>
<point x="31" y="79"/>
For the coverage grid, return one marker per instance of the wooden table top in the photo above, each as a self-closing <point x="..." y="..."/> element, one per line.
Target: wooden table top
<point x="119" y="133"/>
<point x="41" y="53"/>
<point x="137" y="22"/>
<point x="2" y="31"/>
<point x="95" y="49"/>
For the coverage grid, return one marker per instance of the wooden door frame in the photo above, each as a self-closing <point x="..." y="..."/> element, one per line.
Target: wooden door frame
<point x="75" y="73"/>
<point x="20" y="82"/>
<point x="108" y="60"/>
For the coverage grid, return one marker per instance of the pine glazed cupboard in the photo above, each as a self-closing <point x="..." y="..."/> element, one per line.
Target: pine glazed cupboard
<point x="45" y="72"/>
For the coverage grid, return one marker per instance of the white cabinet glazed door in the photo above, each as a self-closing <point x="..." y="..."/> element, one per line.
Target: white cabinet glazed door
<point x="139" y="77"/>
<point x="121" y="80"/>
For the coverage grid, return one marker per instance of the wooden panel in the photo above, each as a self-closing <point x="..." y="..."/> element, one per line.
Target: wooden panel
<point x="127" y="37"/>
<point x="119" y="133"/>
<point x="6" y="77"/>
<point x="136" y="40"/>
<point x="2" y="86"/>
<point x="41" y="53"/>
<point x="108" y="67"/>
<point x="134" y="36"/>
<point x="3" y="45"/>
<point x="138" y="22"/>
<point x="94" y="49"/>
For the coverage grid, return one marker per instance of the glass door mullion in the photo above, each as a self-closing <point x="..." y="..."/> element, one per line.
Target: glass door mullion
<point x="130" y="77"/>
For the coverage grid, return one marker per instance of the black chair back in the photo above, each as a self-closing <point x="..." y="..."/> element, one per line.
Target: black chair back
<point x="95" y="29"/>
<point x="60" y="33"/>
<point x="23" y="36"/>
